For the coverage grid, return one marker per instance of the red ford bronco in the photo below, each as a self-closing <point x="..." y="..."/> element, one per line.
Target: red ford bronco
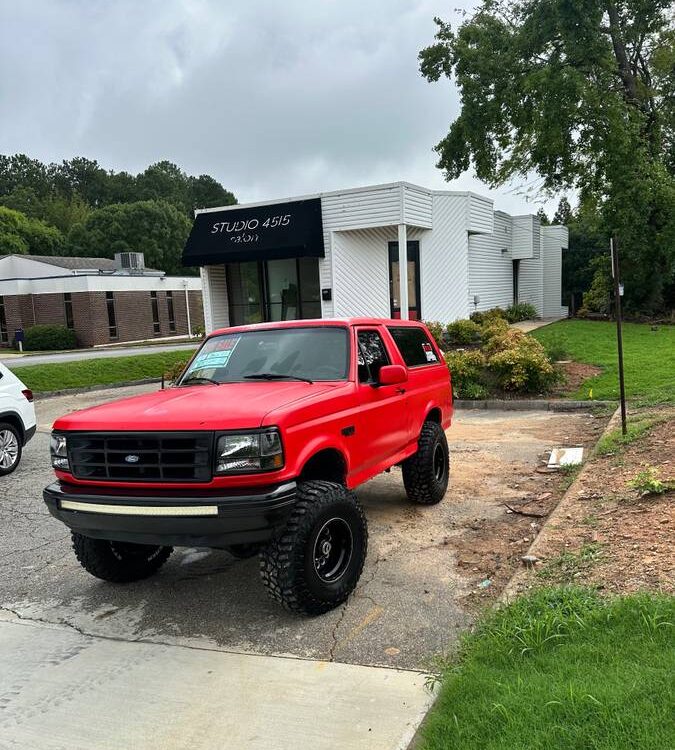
<point x="257" y="447"/>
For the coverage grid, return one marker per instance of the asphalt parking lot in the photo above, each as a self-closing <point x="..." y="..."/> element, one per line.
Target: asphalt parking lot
<point x="409" y="606"/>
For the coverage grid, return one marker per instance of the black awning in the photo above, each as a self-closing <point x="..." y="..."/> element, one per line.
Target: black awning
<point x="280" y="230"/>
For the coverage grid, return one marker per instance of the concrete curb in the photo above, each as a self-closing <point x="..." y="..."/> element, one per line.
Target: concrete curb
<point x="505" y="404"/>
<point x="90" y="388"/>
<point x="511" y="590"/>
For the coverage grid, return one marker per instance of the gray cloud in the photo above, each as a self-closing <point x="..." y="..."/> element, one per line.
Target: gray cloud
<point x="271" y="98"/>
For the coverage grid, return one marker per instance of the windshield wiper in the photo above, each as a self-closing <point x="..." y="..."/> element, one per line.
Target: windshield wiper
<point x="276" y="376"/>
<point x="197" y="378"/>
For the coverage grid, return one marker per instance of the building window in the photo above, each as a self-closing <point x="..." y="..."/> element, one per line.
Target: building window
<point x="155" y="312"/>
<point x="4" y="337"/>
<point x="170" y="311"/>
<point x="68" y="309"/>
<point x="112" y="318"/>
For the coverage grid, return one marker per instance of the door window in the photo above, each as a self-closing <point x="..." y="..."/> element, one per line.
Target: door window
<point x="244" y="292"/>
<point x="415" y="346"/>
<point x="372" y="356"/>
<point x="413" y="280"/>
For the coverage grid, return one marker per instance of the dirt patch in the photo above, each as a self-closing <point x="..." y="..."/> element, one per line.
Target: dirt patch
<point x="609" y="534"/>
<point x="575" y="374"/>
<point x="518" y="494"/>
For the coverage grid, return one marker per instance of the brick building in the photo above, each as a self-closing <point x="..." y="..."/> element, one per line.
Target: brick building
<point x="103" y="301"/>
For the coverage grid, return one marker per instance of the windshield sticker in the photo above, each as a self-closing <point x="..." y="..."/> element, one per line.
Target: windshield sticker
<point x="429" y="353"/>
<point x="219" y="356"/>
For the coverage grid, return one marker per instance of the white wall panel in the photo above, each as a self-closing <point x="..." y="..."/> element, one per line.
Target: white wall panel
<point x="480" y="214"/>
<point x="361" y="272"/>
<point x="215" y="298"/>
<point x="531" y="283"/>
<point x="526" y="240"/>
<point x="490" y="269"/>
<point x="444" y="269"/>
<point x="417" y="207"/>
<point x="553" y="240"/>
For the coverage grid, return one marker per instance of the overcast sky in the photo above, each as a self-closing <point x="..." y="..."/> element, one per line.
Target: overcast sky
<point x="271" y="98"/>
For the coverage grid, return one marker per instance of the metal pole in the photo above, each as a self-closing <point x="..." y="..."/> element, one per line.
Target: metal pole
<point x="614" y="246"/>
<point x="187" y="308"/>
<point x="403" y="270"/>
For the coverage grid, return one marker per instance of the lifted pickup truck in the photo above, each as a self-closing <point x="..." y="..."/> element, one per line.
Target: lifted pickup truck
<point x="257" y="447"/>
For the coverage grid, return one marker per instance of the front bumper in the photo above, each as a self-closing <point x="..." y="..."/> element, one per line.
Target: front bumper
<point x="182" y="518"/>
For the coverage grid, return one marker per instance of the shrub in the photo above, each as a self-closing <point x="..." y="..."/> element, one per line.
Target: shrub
<point x="463" y="332"/>
<point x="493" y="328"/>
<point x="520" y="364"/>
<point x="498" y="337"/>
<point x="485" y="316"/>
<point x="198" y="331"/>
<point x="436" y="330"/>
<point x="175" y="371"/>
<point x="520" y="311"/>
<point x="49" y="338"/>
<point x="467" y="370"/>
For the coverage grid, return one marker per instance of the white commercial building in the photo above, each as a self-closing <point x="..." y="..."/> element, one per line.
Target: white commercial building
<point x="339" y="254"/>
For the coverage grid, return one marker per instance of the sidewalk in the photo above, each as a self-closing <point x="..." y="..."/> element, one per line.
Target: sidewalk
<point x="66" y="689"/>
<point x="531" y="325"/>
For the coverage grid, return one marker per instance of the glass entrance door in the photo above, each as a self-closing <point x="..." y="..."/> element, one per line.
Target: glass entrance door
<point x="413" y="280"/>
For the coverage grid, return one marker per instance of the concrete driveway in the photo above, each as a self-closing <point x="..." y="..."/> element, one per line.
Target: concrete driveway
<point x="412" y="602"/>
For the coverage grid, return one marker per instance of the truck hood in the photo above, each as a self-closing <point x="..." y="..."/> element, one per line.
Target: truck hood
<point x="199" y="407"/>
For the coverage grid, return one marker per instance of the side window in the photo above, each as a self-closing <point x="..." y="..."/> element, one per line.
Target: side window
<point x="372" y="356"/>
<point x="414" y="345"/>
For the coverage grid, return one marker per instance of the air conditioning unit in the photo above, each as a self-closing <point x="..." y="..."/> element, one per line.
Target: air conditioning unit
<point x="130" y="261"/>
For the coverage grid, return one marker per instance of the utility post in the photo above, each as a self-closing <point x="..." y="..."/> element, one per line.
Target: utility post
<point x="618" y="291"/>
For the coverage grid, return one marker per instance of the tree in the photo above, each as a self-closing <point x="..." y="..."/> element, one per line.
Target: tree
<point x="155" y="228"/>
<point x="543" y="217"/>
<point x="582" y="93"/>
<point x="563" y="214"/>
<point x="21" y="234"/>
<point x="205" y="192"/>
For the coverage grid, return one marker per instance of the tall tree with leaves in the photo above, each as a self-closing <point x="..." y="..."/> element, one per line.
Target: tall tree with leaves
<point x="582" y="93"/>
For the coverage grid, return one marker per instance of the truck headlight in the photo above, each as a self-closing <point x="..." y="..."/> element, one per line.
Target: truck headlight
<point x="249" y="451"/>
<point x="59" y="452"/>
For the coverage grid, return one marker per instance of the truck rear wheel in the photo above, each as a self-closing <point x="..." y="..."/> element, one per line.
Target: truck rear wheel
<point x="119" y="562"/>
<point x="426" y="473"/>
<point x="317" y="560"/>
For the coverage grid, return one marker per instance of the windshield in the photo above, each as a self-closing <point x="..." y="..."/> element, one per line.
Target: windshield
<point x="275" y="354"/>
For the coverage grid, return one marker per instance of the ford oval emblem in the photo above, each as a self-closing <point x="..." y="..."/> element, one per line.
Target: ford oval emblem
<point x="132" y="458"/>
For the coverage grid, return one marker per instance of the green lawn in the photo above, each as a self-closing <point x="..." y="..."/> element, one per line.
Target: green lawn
<point x="649" y="357"/>
<point x="562" y="669"/>
<point x="98" y="371"/>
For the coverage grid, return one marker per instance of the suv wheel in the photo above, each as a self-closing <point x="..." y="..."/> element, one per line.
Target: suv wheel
<point x="426" y="473"/>
<point x="316" y="562"/>
<point x="10" y="448"/>
<point x="119" y="562"/>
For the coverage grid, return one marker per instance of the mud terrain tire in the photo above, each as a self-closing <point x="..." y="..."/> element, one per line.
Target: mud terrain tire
<point x="426" y="473"/>
<point x="119" y="562"/>
<point x="314" y="564"/>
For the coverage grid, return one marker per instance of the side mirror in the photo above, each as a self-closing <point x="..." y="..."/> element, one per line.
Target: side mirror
<point x="392" y="374"/>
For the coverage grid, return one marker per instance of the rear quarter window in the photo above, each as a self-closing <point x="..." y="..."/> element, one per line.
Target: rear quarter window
<point x="415" y="346"/>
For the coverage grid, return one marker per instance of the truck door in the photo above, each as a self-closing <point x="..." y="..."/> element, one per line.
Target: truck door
<point x="383" y="421"/>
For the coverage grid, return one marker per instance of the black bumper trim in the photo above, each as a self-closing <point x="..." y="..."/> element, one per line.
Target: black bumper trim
<point x="29" y="433"/>
<point x="243" y="517"/>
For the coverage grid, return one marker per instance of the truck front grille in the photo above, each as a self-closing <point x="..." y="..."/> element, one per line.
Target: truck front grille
<point x="141" y="456"/>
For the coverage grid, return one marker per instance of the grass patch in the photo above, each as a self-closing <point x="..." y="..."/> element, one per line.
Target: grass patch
<point x="561" y="668"/>
<point x="568" y="566"/>
<point x="649" y="357"/>
<point x="615" y="441"/>
<point x="98" y="371"/>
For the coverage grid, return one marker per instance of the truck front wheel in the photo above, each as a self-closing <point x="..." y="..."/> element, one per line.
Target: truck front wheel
<point x="119" y="562"/>
<point x="317" y="560"/>
<point x="426" y="473"/>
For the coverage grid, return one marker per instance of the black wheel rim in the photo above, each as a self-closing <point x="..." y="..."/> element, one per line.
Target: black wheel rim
<point x="439" y="462"/>
<point x="333" y="549"/>
<point x="130" y="552"/>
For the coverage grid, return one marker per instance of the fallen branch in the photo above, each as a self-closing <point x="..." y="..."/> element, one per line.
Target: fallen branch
<point x="524" y="512"/>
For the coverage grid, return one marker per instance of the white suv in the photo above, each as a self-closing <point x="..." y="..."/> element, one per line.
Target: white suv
<point x="17" y="419"/>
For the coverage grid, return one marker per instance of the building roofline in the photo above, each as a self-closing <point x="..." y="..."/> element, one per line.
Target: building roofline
<point x="345" y="191"/>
